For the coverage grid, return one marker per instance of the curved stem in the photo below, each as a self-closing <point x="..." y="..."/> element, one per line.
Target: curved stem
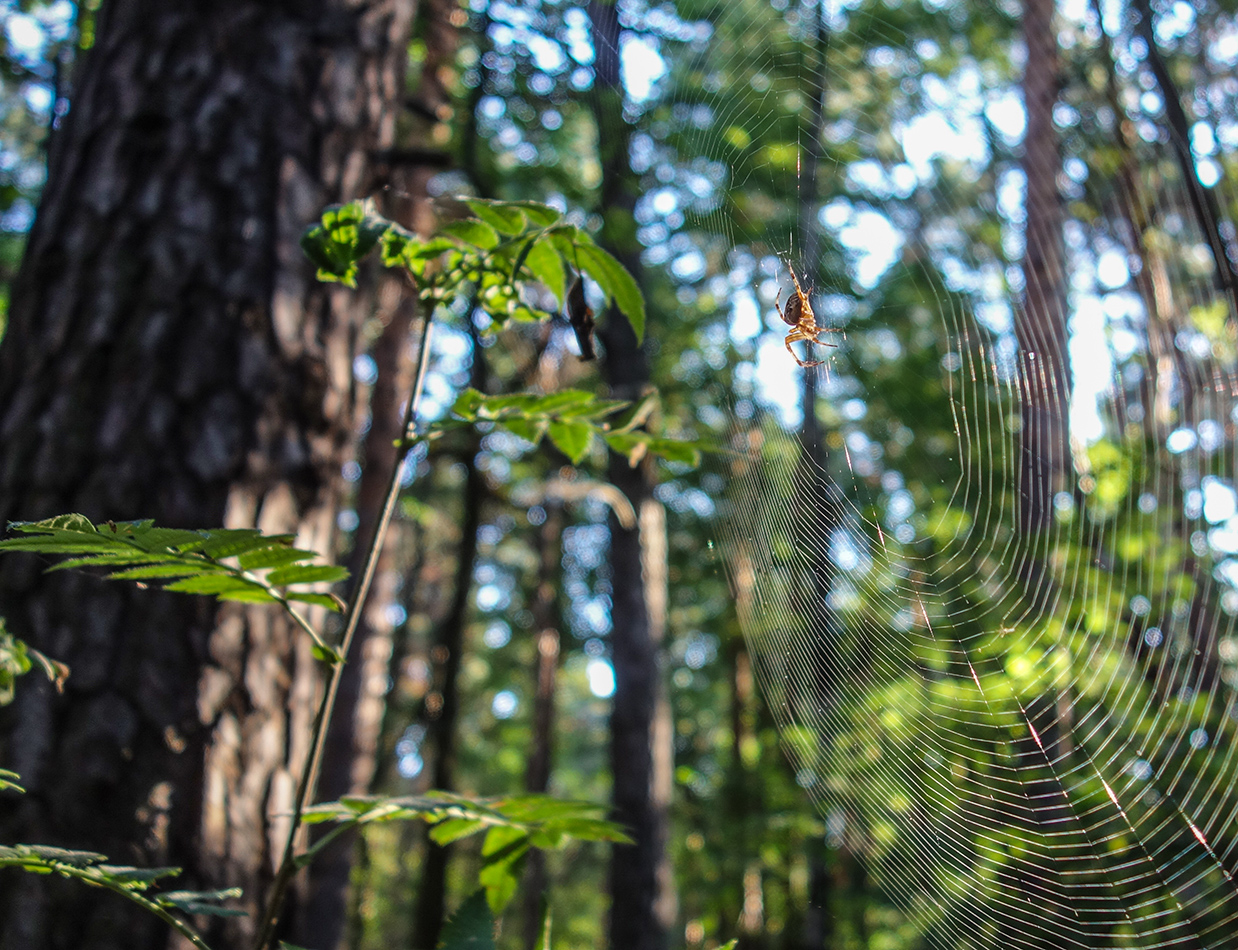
<point x="352" y="618"/>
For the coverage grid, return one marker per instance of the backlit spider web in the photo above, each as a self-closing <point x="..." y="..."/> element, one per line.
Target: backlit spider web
<point x="1007" y="682"/>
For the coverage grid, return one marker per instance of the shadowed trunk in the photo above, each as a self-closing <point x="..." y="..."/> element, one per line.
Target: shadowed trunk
<point x="642" y="903"/>
<point x="171" y="356"/>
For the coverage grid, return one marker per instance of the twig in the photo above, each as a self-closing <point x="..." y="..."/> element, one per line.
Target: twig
<point x="309" y="777"/>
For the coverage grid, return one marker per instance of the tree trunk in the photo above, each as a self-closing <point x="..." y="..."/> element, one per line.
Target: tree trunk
<point x="642" y="905"/>
<point x="170" y="355"/>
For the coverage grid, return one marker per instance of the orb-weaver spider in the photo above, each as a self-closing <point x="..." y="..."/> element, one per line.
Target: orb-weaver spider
<point x="803" y="322"/>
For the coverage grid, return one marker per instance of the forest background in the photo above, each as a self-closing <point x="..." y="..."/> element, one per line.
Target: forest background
<point x="958" y="184"/>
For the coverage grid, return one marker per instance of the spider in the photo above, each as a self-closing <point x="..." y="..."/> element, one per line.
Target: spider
<point x="803" y="322"/>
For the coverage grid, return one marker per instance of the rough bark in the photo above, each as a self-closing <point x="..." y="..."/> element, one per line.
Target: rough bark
<point x="642" y="908"/>
<point x="170" y="355"/>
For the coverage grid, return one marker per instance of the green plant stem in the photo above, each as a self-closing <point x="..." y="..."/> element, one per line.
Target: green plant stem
<point x="352" y="618"/>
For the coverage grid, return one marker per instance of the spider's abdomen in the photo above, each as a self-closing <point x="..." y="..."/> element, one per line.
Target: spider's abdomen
<point x="794" y="310"/>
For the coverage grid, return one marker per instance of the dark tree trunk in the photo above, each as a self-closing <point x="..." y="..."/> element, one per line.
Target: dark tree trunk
<point x="642" y="903"/>
<point x="170" y="355"/>
<point x="547" y="622"/>
<point x="1041" y="324"/>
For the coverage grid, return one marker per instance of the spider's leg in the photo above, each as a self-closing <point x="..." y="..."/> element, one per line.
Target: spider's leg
<point x="796" y="336"/>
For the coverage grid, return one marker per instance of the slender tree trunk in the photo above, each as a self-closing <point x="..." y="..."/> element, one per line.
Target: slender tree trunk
<point x="548" y="624"/>
<point x="170" y="355"/>
<point x="642" y="908"/>
<point x="816" y="490"/>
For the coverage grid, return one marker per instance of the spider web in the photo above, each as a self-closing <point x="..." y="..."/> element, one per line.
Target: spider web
<point x="987" y="578"/>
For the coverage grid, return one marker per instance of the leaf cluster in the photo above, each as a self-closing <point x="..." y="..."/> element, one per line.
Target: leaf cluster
<point x="512" y="826"/>
<point x="570" y="419"/>
<point x="240" y="564"/>
<point x="132" y="883"/>
<point x="502" y="246"/>
<point x="18" y="659"/>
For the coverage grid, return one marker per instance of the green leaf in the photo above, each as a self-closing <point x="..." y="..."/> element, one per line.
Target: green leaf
<point x="674" y="450"/>
<point x="503" y="854"/>
<point x="571" y="438"/>
<point x="531" y="430"/>
<point x="167" y="539"/>
<point x="474" y="232"/>
<point x="562" y="400"/>
<point x="498" y="214"/>
<point x="453" y="829"/>
<point x="468" y="404"/>
<point x="616" y="283"/>
<point x="632" y="445"/>
<point x="307" y="574"/>
<point x="471" y="927"/>
<point x="202" y="902"/>
<point x="216" y="584"/>
<point x="330" y="601"/>
<point x="9" y="780"/>
<point x="71" y="522"/>
<point x="109" y="561"/>
<point x="539" y="215"/>
<point x="165" y="570"/>
<point x="546" y="265"/>
<point x="225" y="542"/>
<point x="273" y="557"/>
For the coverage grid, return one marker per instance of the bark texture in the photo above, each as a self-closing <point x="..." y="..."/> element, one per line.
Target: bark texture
<point x="170" y="355"/>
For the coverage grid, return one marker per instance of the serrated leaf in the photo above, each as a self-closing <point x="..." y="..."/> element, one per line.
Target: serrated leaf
<point x="453" y="829"/>
<point x="123" y="874"/>
<point x="571" y="438"/>
<point x="77" y="859"/>
<point x="498" y="214"/>
<point x="108" y="561"/>
<point x="468" y="403"/>
<point x="474" y="232"/>
<point x="165" y="570"/>
<point x="273" y="557"/>
<point x="168" y="539"/>
<point x="618" y="285"/>
<point x="471" y="927"/>
<point x="71" y="522"/>
<point x="563" y="399"/>
<point x="252" y="595"/>
<point x="330" y="601"/>
<point x="531" y="430"/>
<point x="539" y="215"/>
<point x="632" y="445"/>
<point x="307" y="574"/>
<point x="544" y="263"/>
<point x="232" y="542"/>
<point x="50" y="545"/>
<point x="215" y="584"/>
<point x="674" y="450"/>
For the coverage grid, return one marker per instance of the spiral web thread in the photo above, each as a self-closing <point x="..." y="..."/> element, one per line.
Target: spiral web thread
<point x="1026" y="730"/>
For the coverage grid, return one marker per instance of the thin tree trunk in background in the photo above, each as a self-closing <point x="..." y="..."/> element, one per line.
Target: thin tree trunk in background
<point x="170" y="355"/>
<point x="443" y="703"/>
<point x="641" y="911"/>
<point x="826" y="514"/>
<point x="1038" y="883"/>
<point x="1041" y="323"/>
<point x="548" y="624"/>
